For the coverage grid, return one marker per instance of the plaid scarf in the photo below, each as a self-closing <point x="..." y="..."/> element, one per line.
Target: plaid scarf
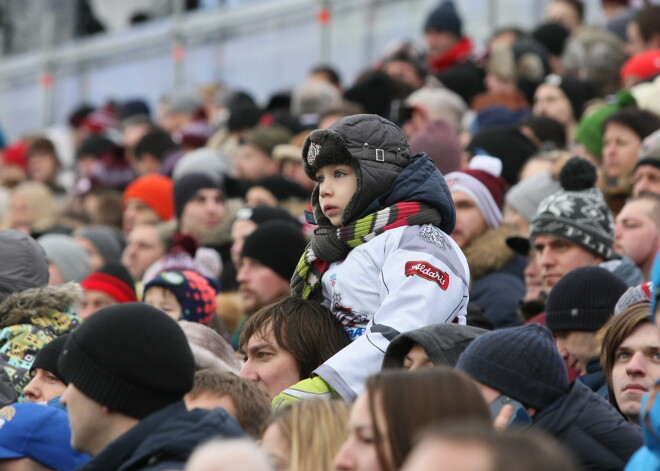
<point x="330" y="244"/>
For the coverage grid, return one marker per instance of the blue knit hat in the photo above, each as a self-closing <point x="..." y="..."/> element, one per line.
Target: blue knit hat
<point x="444" y="18"/>
<point x="520" y="362"/>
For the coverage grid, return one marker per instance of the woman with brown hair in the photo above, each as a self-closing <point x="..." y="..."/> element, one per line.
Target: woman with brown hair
<point x="396" y="406"/>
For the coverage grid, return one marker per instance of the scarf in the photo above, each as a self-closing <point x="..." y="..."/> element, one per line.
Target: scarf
<point x="331" y="244"/>
<point x="457" y="54"/>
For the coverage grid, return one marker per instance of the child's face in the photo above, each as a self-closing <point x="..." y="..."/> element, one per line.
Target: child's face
<point x="337" y="185"/>
<point x="164" y="300"/>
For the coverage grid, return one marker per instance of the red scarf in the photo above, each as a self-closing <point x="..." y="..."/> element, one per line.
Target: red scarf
<point x="457" y="54"/>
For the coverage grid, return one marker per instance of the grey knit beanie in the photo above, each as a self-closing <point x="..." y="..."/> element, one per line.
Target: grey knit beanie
<point x="526" y="196"/>
<point x="107" y="240"/>
<point x="520" y="362"/>
<point x="69" y="258"/>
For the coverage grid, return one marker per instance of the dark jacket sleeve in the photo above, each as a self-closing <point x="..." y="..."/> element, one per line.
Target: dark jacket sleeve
<point x="7" y="392"/>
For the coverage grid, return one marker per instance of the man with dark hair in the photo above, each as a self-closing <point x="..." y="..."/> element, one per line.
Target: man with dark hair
<point x="298" y="336"/>
<point x="569" y="13"/>
<point x="125" y="408"/>
<point x="152" y="150"/>
<point x="241" y="398"/>
<point x="578" y="306"/>
<point x="268" y="259"/>
<point x="523" y="364"/>
<point x="644" y="30"/>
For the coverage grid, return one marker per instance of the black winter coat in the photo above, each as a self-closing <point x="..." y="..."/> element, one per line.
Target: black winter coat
<point x="599" y="436"/>
<point x="164" y="440"/>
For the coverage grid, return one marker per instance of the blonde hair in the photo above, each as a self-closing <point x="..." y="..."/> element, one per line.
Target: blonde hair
<point x="41" y="202"/>
<point x="315" y="429"/>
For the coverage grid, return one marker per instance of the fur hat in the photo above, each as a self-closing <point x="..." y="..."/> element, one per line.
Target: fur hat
<point x="649" y="153"/>
<point x="578" y="212"/>
<point x="209" y="349"/>
<point x="374" y="147"/>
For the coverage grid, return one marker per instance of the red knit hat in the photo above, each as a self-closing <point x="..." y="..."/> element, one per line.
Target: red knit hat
<point x="642" y="66"/>
<point x="114" y="280"/>
<point x="156" y="191"/>
<point x="16" y="154"/>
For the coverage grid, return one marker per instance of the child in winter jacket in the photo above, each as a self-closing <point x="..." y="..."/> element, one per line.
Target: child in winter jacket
<point x="381" y="258"/>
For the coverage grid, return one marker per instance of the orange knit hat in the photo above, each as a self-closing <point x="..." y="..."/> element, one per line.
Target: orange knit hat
<point x="156" y="191"/>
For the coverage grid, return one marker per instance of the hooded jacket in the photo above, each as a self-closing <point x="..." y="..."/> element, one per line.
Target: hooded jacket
<point x="401" y="280"/>
<point x="30" y="319"/>
<point x="443" y="343"/>
<point x="586" y="423"/>
<point x="164" y="440"/>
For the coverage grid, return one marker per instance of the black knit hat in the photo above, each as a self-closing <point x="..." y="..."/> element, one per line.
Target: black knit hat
<point x="189" y="184"/>
<point x="583" y="300"/>
<point x="578" y="212"/>
<point x="444" y="18"/>
<point x="577" y="91"/>
<point x="520" y="362"/>
<point x="277" y="245"/>
<point x="131" y="358"/>
<point x="553" y="36"/>
<point x="376" y="149"/>
<point x="46" y="359"/>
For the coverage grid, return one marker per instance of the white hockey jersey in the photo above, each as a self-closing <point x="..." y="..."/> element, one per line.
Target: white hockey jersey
<point x="402" y="279"/>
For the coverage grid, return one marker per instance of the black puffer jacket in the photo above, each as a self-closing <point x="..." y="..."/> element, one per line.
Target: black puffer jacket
<point x="164" y="440"/>
<point x="587" y="424"/>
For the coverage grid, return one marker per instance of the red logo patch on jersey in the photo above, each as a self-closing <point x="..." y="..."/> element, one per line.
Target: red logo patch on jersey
<point x="428" y="272"/>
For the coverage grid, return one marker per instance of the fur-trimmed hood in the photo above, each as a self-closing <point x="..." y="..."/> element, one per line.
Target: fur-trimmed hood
<point x="489" y="253"/>
<point x="33" y="302"/>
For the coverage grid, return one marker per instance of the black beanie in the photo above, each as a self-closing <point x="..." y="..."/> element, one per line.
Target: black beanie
<point x="444" y="18"/>
<point x="261" y="214"/>
<point x="583" y="300"/>
<point x="46" y="358"/>
<point x="520" y="362"/>
<point x="277" y="245"/>
<point x="553" y="36"/>
<point x="577" y="91"/>
<point x="131" y="358"/>
<point x="189" y="184"/>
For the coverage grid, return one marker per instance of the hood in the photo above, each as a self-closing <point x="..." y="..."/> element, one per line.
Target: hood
<point x="421" y="181"/>
<point x="443" y="344"/>
<point x="177" y="436"/>
<point x="489" y="252"/>
<point x="34" y="302"/>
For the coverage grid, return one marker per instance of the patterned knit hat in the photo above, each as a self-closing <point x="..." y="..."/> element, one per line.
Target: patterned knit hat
<point x="195" y="293"/>
<point x="583" y="300"/>
<point x="520" y="362"/>
<point x="482" y="182"/>
<point x="578" y="212"/>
